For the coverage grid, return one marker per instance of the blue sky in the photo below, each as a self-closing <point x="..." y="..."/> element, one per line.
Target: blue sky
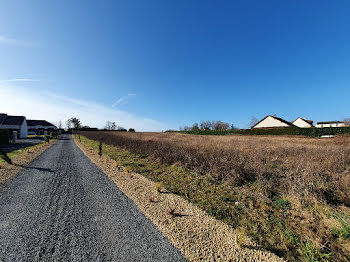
<point x="156" y="65"/>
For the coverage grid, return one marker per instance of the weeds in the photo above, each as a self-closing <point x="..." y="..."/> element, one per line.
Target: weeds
<point x="241" y="237"/>
<point x="159" y="187"/>
<point x="241" y="181"/>
<point x="344" y="232"/>
<point x="128" y="169"/>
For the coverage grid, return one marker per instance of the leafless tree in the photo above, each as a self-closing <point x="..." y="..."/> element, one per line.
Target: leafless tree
<point x="206" y="124"/>
<point x="60" y="124"/>
<point x="219" y="125"/>
<point x="69" y="124"/>
<point x="347" y="121"/>
<point x="113" y="126"/>
<point x="108" y="125"/>
<point x="253" y="121"/>
<point x="195" y="127"/>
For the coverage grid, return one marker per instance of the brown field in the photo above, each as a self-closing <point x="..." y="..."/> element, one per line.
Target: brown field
<point x="291" y="194"/>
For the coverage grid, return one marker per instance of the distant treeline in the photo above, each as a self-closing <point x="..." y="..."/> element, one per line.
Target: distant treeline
<point x="208" y="125"/>
<point x="312" y="132"/>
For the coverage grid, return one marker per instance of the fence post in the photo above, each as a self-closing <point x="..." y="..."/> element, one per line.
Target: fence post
<point x="100" y="147"/>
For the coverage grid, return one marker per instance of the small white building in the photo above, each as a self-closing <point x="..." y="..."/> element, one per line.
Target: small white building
<point x="303" y="123"/>
<point x="330" y="124"/>
<point x="14" y="123"/>
<point x="272" y="122"/>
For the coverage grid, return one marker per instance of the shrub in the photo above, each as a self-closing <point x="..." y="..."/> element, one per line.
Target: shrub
<point x="295" y="131"/>
<point x="4" y="136"/>
<point x="159" y="187"/>
<point x="241" y="237"/>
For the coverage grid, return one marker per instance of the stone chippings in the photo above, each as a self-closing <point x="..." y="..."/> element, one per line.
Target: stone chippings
<point x="62" y="207"/>
<point x="7" y="171"/>
<point x="197" y="235"/>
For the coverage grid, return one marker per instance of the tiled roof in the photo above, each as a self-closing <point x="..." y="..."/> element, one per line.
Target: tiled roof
<point x="38" y="123"/>
<point x="13" y="120"/>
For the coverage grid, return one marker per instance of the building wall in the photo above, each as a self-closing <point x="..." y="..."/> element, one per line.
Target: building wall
<point x="301" y="123"/>
<point x="330" y="125"/>
<point x="270" y="122"/>
<point x="23" y="132"/>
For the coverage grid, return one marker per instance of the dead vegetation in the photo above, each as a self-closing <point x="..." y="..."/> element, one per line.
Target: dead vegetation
<point x="290" y="194"/>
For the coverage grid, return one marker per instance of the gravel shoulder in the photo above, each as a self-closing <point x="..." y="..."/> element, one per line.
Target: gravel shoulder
<point x="64" y="208"/>
<point x="7" y="172"/>
<point x="199" y="236"/>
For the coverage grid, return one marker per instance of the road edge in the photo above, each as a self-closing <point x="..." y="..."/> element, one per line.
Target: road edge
<point x="8" y="172"/>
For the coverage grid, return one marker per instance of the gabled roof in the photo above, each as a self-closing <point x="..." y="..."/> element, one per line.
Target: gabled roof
<point x="13" y="120"/>
<point x="277" y="118"/>
<point x="2" y="117"/>
<point x="38" y="123"/>
<point x="307" y="121"/>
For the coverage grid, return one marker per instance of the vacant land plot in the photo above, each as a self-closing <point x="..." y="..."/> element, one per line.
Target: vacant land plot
<point x="290" y="194"/>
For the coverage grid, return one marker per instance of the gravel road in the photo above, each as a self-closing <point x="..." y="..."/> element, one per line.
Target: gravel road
<point x="64" y="208"/>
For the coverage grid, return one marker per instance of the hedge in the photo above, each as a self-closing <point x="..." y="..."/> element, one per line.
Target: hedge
<point x="296" y="131"/>
<point x="214" y="132"/>
<point x="4" y="136"/>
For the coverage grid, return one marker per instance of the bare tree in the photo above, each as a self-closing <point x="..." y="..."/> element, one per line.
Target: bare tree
<point x="206" y="124"/>
<point x="108" y="125"/>
<point x="347" y="121"/>
<point x="253" y="121"/>
<point x="60" y="124"/>
<point x="195" y="127"/>
<point x="113" y="126"/>
<point x="69" y="124"/>
<point x="219" y="125"/>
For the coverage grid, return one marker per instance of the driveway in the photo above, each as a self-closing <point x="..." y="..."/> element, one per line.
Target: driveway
<point x="64" y="208"/>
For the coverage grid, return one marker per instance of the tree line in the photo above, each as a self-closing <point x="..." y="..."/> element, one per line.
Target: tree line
<point x="75" y="123"/>
<point x="208" y="125"/>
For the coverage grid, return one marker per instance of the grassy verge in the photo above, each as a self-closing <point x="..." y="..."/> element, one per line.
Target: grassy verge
<point x="280" y="225"/>
<point x="18" y="152"/>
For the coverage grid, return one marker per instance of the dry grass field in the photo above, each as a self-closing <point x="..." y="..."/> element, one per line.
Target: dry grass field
<point x="290" y="194"/>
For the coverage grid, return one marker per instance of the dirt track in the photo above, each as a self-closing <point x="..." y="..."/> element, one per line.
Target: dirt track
<point x="63" y="208"/>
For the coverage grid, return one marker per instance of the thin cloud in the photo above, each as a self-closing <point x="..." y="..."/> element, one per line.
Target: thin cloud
<point x="7" y="40"/>
<point x="123" y="100"/>
<point x="57" y="107"/>
<point x="14" y="41"/>
<point x="18" y="80"/>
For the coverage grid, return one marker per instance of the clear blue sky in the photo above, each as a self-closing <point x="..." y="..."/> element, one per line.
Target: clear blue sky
<point x="162" y="64"/>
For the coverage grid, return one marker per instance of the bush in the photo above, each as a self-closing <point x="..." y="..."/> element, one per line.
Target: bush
<point x="294" y="131"/>
<point x="4" y="136"/>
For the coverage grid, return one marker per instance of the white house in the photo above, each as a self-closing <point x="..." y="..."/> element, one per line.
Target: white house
<point x="330" y="124"/>
<point x="37" y="127"/>
<point x="14" y="123"/>
<point x="303" y="123"/>
<point x="272" y="122"/>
